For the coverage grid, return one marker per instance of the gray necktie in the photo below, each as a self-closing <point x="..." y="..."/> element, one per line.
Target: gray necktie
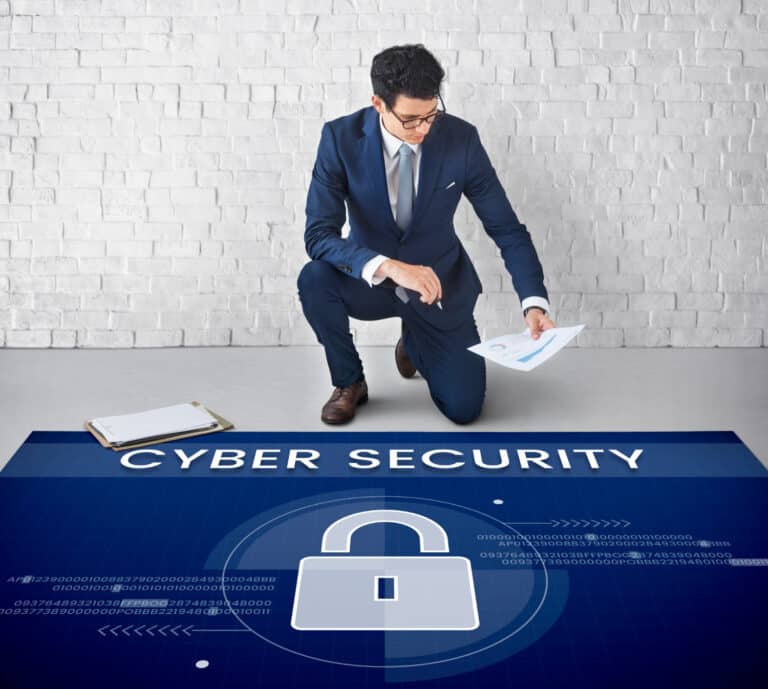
<point x="404" y="207"/>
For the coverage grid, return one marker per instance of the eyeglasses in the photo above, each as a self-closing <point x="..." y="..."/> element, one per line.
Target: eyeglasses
<point x="415" y="122"/>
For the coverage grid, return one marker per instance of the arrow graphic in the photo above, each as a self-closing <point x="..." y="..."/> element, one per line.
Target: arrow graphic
<point x="130" y="630"/>
<point x="577" y="523"/>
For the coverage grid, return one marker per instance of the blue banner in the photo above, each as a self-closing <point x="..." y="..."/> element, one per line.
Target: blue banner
<point x="384" y="560"/>
<point x="367" y="455"/>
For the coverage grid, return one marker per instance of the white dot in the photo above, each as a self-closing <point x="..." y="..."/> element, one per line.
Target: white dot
<point x="201" y="664"/>
<point x="497" y="501"/>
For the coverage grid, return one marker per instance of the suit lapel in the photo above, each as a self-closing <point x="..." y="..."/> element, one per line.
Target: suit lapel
<point x="373" y="155"/>
<point x="432" y="153"/>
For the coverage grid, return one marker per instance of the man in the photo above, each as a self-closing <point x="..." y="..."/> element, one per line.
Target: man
<point x="401" y="167"/>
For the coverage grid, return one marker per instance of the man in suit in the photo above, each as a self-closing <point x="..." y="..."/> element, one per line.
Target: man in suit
<point x="401" y="166"/>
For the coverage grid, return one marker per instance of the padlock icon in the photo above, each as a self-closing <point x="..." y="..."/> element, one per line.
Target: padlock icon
<point x="396" y="593"/>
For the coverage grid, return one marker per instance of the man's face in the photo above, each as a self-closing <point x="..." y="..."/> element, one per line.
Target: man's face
<point x="406" y="109"/>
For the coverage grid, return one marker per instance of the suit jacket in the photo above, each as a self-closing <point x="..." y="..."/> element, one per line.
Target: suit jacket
<point x="349" y="169"/>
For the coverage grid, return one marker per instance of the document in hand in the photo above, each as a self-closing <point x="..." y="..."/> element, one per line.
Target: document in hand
<point x="521" y="351"/>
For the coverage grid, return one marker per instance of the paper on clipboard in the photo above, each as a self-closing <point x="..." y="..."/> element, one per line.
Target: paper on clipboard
<point x="178" y="418"/>
<point x="521" y="352"/>
<point x="212" y="423"/>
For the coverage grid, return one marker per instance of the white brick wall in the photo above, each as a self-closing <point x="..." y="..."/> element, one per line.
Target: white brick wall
<point x="155" y="155"/>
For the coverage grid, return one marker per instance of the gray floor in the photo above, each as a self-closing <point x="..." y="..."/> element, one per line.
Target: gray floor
<point x="284" y="388"/>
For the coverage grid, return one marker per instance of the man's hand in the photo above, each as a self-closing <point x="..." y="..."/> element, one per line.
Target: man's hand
<point x="538" y="321"/>
<point x="421" y="279"/>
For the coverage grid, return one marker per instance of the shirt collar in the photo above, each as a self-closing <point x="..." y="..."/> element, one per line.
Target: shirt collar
<point x="392" y="143"/>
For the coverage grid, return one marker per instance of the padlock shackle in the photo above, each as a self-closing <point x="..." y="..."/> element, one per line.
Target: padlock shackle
<point x="338" y="536"/>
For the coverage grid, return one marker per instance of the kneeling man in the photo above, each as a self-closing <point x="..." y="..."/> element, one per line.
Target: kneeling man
<point x="400" y="167"/>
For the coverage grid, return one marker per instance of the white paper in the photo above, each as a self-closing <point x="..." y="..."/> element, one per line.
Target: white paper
<point x="521" y="352"/>
<point x="178" y="418"/>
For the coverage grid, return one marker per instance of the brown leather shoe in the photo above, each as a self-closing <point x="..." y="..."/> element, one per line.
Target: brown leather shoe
<point x="341" y="407"/>
<point x="404" y="364"/>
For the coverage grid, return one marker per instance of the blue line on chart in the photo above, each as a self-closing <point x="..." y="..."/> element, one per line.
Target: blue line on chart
<point x="527" y="357"/>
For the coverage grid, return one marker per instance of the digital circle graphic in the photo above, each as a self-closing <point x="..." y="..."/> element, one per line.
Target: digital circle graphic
<point x="510" y="592"/>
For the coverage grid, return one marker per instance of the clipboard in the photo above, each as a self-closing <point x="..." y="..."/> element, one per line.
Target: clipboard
<point x="221" y="425"/>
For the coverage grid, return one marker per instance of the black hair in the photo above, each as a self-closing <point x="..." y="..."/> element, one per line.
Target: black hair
<point x="408" y="70"/>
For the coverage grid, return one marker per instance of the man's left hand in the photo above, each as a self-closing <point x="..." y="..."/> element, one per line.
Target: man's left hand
<point x="538" y="321"/>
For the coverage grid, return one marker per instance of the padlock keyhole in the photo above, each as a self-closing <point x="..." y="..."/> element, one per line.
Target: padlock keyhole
<point x="385" y="588"/>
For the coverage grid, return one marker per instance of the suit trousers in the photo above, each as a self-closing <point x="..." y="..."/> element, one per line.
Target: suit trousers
<point x="455" y="376"/>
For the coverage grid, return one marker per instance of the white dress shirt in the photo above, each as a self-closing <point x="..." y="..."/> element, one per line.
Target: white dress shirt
<point x="390" y="151"/>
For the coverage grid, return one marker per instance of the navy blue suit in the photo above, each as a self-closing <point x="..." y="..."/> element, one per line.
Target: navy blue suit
<point x="349" y="170"/>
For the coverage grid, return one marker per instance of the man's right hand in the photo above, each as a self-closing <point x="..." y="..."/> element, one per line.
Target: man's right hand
<point x="421" y="279"/>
